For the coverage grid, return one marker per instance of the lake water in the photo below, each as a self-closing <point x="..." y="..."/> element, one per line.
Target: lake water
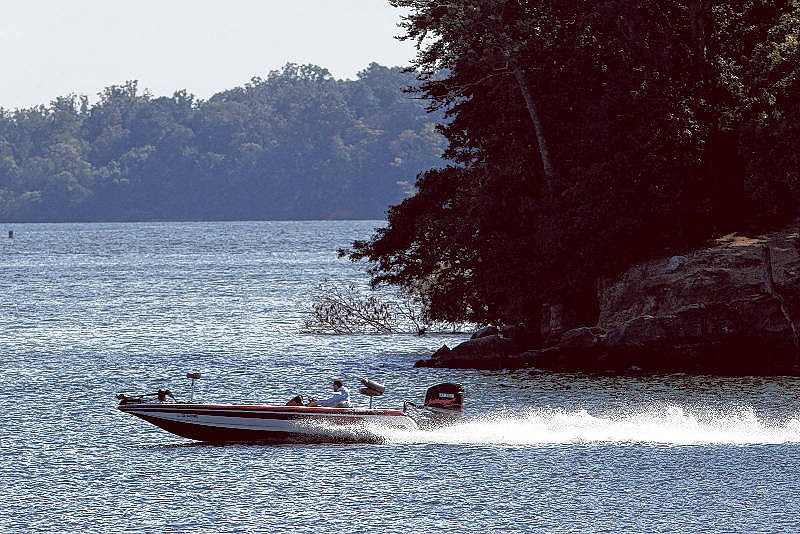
<point x="90" y="310"/>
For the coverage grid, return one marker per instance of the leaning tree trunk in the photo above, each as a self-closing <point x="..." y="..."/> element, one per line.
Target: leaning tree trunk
<point x="769" y="287"/>
<point x="547" y="167"/>
<point x="698" y="19"/>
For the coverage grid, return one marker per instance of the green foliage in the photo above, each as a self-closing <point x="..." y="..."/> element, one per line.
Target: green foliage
<point x="296" y="144"/>
<point x="585" y="136"/>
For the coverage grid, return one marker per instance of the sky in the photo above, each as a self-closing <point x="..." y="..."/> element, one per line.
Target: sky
<point x="51" y="48"/>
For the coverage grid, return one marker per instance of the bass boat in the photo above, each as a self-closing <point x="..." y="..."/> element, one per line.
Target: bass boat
<point x="294" y="422"/>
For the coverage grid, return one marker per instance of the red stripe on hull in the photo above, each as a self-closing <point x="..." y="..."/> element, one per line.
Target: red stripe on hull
<point x="217" y="434"/>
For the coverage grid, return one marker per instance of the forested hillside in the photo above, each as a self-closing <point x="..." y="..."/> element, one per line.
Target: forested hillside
<point x="297" y="144"/>
<point x="585" y="136"/>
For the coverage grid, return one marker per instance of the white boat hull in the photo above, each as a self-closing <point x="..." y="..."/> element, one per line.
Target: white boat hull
<point x="256" y="423"/>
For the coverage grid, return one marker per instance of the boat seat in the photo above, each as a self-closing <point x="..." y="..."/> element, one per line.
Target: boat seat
<point x="296" y="401"/>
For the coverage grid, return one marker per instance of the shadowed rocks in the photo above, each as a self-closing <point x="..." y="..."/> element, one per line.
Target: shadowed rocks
<point x="709" y="312"/>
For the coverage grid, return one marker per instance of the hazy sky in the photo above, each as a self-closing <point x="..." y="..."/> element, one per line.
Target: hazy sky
<point x="50" y="48"/>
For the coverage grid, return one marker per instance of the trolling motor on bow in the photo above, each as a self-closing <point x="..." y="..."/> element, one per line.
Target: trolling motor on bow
<point x="161" y="395"/>
<point x="443" y="405"/>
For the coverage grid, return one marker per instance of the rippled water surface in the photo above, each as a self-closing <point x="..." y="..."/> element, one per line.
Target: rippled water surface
<point x="89" y="310"/>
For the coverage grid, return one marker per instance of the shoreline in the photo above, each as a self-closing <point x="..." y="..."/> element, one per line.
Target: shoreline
<point x="730" y="309"/>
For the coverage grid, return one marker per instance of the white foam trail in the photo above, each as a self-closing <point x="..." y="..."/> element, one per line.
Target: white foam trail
<point x="671" y="425"/>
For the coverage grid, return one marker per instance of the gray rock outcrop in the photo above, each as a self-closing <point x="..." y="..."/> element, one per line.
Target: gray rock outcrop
<point x="717" y="310"/>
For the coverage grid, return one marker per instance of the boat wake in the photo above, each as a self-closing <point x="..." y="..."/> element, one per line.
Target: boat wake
<point x="668" y="425"/>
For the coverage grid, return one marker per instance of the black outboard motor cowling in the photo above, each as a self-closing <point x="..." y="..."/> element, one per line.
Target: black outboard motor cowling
<point x="445" y="401"/>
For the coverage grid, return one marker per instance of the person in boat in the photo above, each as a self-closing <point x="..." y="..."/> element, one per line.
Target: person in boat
<point x="339" y="399"/>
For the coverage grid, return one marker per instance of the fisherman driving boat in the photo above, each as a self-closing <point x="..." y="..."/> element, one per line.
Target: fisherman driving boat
<point x="339" y="399"/>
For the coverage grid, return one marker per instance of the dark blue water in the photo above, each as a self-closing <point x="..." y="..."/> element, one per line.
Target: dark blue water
<point x="89" y="310"/>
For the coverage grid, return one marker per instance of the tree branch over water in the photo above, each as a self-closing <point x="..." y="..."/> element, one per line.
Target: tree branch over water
<point x="340" y="309"/>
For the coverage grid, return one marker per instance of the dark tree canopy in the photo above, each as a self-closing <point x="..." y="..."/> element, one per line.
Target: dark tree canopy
<point x="297" y="144"/>
<point x="585" y="136"/>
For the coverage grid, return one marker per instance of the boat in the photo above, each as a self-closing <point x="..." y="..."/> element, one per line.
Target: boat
<point x="295" y="421"/>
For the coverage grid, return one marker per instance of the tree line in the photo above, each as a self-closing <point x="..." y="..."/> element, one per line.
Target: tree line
<point x="297" y="144"/>
<point x="585" y="136"/>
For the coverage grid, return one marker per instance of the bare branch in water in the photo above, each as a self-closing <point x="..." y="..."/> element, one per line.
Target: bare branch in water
<point x="344" y="309"/>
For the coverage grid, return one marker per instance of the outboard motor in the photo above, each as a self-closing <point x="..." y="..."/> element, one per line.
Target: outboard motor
<point x="443" y="405"/>
<point x="447" y="399"/>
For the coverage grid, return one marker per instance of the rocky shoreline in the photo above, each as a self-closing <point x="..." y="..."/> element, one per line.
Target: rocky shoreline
<point x="731" y="308"/>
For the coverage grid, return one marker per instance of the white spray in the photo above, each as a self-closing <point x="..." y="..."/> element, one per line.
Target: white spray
<point x="670" y="425"/>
